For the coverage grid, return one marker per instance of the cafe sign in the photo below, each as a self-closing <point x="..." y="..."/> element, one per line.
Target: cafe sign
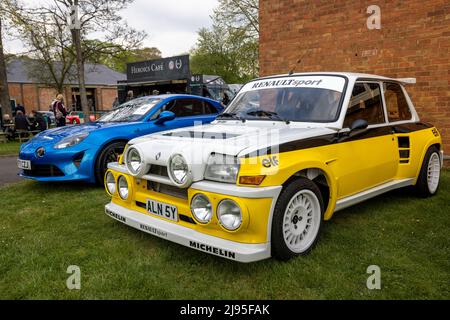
<point x="174" y="68"/>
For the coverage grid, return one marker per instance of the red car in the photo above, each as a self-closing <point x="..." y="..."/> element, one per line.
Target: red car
<point x="73" y="118"/>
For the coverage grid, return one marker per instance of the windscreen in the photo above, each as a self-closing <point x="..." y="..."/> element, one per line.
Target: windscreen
<point x="295" y="98"/>
<point x="134" y="110"/>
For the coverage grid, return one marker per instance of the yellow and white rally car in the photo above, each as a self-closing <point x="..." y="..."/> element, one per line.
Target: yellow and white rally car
<point x="287" y="153"/>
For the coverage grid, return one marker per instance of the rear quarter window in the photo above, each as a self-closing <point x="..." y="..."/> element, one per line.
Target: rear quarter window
<point x="396" y="103"/>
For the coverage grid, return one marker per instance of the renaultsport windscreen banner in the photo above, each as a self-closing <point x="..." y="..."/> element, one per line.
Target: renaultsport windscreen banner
<point x="319" y="82"/>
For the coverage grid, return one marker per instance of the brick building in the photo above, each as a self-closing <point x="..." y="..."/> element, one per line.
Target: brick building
<point x="413" y="41"/>
<point x="101" y="87"/>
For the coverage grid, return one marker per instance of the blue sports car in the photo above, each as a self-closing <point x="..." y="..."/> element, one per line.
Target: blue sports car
<point x="82" y="152"/>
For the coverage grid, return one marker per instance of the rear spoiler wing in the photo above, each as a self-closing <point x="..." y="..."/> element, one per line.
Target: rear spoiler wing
<point x="407" y="80"/>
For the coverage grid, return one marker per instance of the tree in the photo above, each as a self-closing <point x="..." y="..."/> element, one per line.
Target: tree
<point x="95" y="16"/>
<point x="4" y="93"/>
<point x="230" y="47"/>
<point x="48" y="22"/>
<point x="239" y="15"/>
<point x="48" y="45"/>
<point x="119" y="61"/>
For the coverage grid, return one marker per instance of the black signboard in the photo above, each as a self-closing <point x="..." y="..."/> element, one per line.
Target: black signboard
<point x="196" y="80"/>
<point x="174" y="68"/>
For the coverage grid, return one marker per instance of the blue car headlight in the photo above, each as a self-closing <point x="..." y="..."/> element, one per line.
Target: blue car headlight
<point x="71" y="141"/>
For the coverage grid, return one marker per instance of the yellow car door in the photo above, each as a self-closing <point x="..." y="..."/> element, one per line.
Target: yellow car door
<point x="366" y="157"/>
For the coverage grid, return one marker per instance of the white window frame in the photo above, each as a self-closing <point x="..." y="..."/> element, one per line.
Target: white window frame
<point x="412" y="110"/>
<point x="370" y="126"/>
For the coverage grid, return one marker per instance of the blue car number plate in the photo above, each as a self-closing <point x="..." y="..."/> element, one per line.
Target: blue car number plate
<point x="24" y="164"/>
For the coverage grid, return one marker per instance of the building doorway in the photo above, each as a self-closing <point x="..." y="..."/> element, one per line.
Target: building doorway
<point x="76" y="101"/>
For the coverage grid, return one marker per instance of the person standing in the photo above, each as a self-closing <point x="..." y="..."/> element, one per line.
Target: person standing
<point x="130" y="96"/>
<point x="59" y="110"/>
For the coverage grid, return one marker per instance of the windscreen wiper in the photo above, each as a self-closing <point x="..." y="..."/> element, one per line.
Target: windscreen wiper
<point x="268" y="114"/>
<point x="227" y="115"/>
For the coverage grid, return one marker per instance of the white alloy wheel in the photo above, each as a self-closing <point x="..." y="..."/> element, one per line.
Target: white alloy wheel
<point x="433" y="172"/>
<point x="301" y="221"/>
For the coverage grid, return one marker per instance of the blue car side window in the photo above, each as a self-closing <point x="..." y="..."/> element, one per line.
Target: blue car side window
<point x="166" y="107"/>
<point x="187" y="108"/>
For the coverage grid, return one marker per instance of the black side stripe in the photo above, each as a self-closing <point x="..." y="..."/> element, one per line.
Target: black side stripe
<point x="334" y="138"/>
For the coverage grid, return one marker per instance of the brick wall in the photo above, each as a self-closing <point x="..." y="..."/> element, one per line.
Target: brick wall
<point x="107" y="96"/>
<point x="34" y="96"/>
<point x="414" y="41"/>
<point x="15" y="92"/>
<point x="30" y="97"/>
<point x="46" y="96"/>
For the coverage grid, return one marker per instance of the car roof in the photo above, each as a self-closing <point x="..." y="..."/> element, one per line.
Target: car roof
<point x="177" y="95"/>
<point x="349" y="75"/>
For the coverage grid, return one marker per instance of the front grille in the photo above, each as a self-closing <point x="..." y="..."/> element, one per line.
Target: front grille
<point x="168" y="190"/>
<point x="158" y="170"/>
<point x="43" y="170"/>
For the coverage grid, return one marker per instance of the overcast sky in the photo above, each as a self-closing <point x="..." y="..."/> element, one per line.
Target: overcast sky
<point x="171" y="25"/>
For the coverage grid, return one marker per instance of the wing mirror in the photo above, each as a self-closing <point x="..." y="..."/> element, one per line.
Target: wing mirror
<point x="164" y="117"/>
<point x="357" y="127"/>
<point x="359" y="124"/>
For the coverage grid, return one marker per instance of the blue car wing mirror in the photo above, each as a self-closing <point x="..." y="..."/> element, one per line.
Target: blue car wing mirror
<point x="164" y="117"/>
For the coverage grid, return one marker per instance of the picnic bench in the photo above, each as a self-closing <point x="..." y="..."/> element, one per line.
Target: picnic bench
<point x="3" y="137"/>
<point x="25" y="135"/>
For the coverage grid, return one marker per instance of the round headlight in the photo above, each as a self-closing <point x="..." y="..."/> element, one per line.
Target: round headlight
<point x="134" y="161"/>
<point x="110" y="183"/>
<point x="123" y="187"/>
<point x="179" y="170"/>
<point x="229" y="214"/>
<point x="201" y="208"/>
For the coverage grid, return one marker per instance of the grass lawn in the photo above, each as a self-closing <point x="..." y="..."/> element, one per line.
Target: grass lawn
<point x="9" y="148"/>
<point x="45" y="228"/>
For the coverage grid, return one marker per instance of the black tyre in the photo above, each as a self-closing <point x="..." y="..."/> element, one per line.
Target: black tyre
<point x="110" y="153"/>
<point x="430" y="173"/>
<point x="297" y="219"/>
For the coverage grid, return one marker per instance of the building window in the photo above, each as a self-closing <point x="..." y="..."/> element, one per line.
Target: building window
<point x="396" y="103"/>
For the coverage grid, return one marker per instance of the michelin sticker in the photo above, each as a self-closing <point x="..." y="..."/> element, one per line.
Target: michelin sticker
<point x="319" y="82"/>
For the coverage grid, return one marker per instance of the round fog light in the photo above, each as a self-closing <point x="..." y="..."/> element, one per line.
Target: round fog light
<point x="123" y="187"/>
<point x="110" y="183"/>
<point x="229" y="214"/>
<point x="201" y="208"/>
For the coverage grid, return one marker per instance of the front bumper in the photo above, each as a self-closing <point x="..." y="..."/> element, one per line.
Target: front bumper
<point x="71" y="164"/>
<point x="236" y="251"/>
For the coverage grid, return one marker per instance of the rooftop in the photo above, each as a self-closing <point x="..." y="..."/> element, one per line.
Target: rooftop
<point x="20" y="71"/>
